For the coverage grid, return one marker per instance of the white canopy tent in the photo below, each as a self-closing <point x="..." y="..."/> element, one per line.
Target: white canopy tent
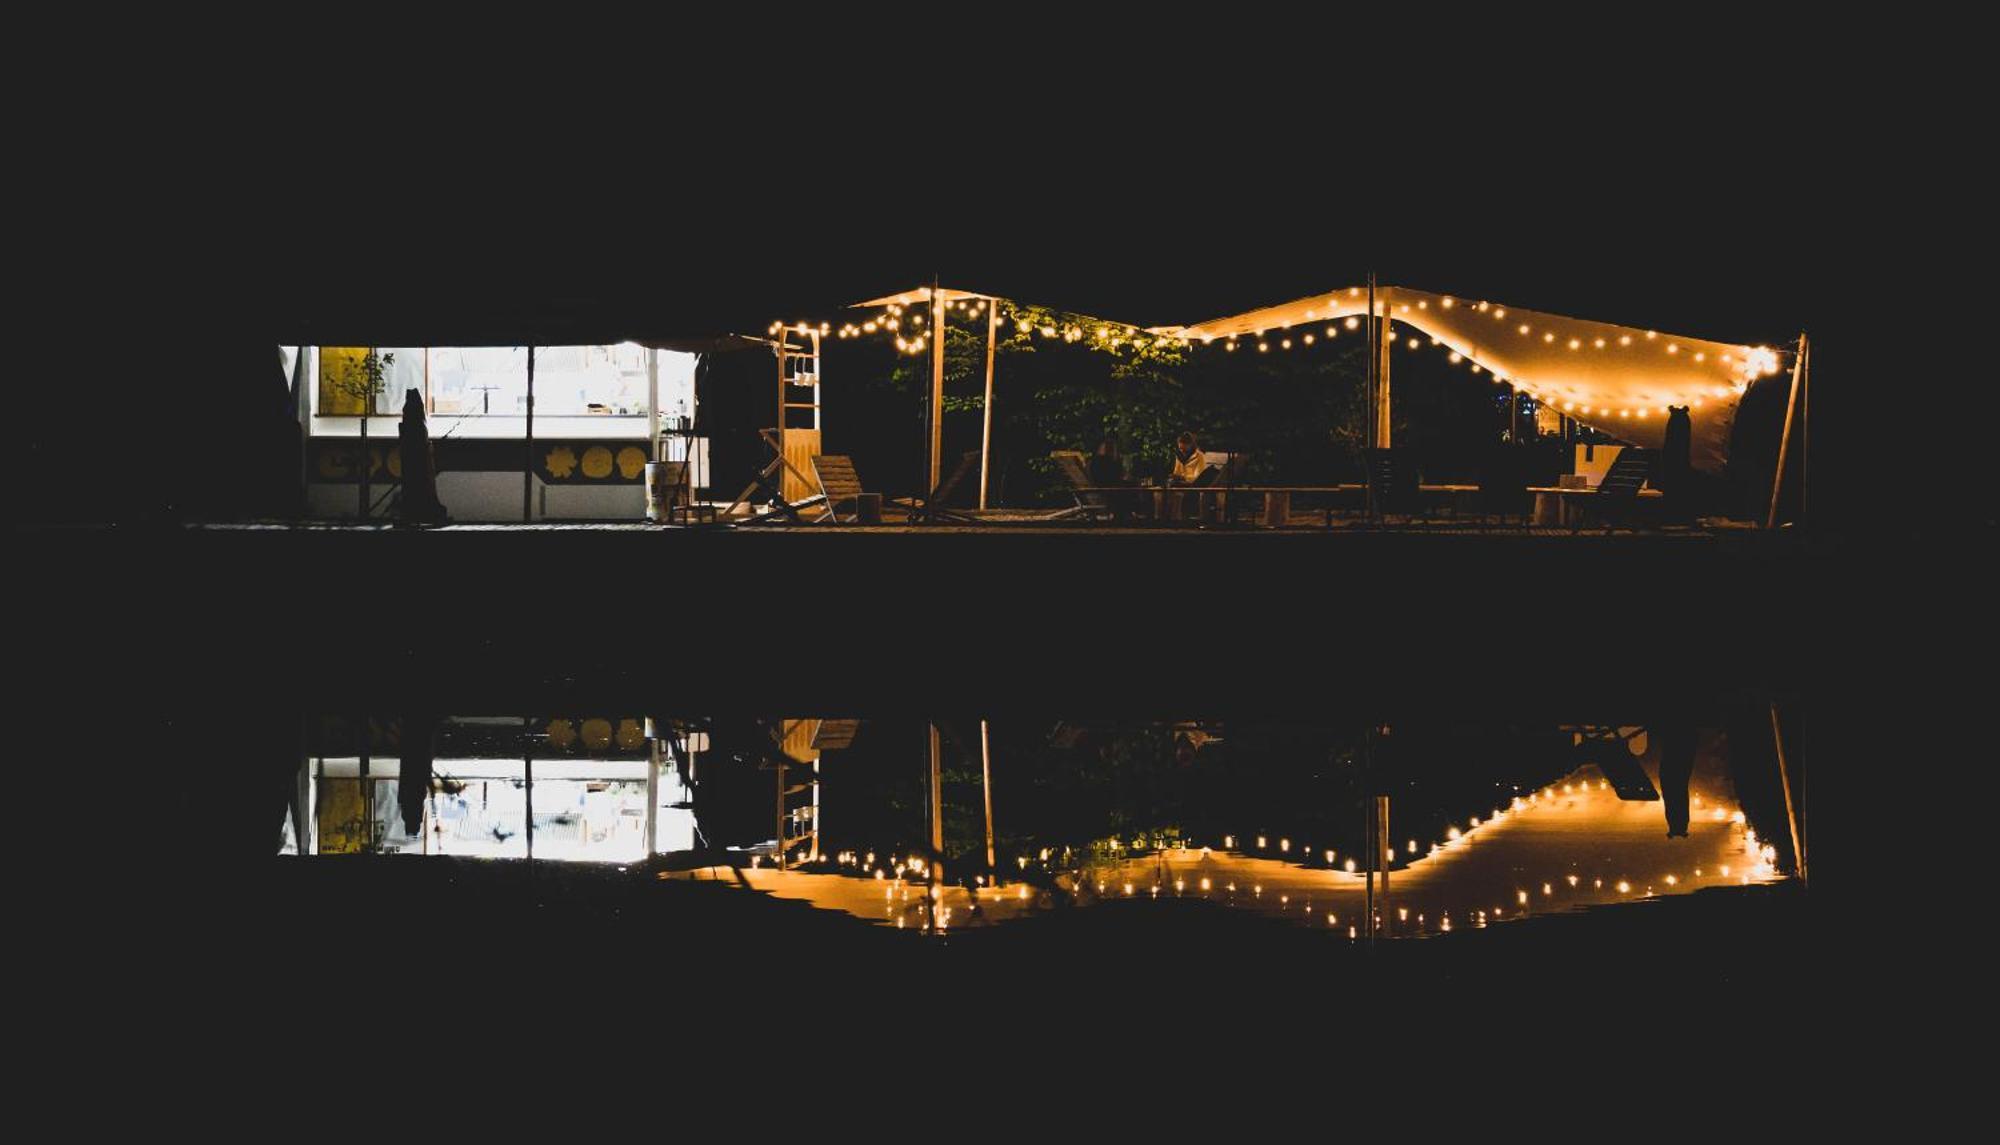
<point x="1618" y="379"/>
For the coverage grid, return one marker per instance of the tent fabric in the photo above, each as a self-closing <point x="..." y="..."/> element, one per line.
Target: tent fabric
<point x="923" y="294"/>
<point x="1617" y="379"/>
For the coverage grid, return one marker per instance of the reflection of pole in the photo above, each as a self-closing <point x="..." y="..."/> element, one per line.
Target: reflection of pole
<point x="528" y="465"/>
<point x="528" y="789"/>
<point x="986" y="785"/>
<point x="936" y="799"/>
<point x="1382" y="837"/>
<point x="1792" y="820"/>
<point x="1785" y="438"/>
<point x="652" y="796"/>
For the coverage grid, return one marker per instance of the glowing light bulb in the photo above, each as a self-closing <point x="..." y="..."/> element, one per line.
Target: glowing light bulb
<point x="1548" y="337"/>
<point x="1524" y="327"/>
<point x="1625" y="340"/>
<point x="1353" y="323"/>
<point x="1624" y="888"/>
<point x="1575" y="343"/>
<point x="1350" y="866"/>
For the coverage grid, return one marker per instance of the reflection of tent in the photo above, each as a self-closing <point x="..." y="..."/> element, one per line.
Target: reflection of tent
<point x="1616" y="378"/>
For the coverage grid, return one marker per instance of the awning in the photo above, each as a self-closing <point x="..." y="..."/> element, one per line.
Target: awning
<point x="1619" y="379"/>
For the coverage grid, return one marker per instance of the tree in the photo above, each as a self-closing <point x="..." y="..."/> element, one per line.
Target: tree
<point x="364" y="379"/>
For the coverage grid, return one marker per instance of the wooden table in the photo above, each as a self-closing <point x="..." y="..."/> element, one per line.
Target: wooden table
<point x="1562" y="505"/>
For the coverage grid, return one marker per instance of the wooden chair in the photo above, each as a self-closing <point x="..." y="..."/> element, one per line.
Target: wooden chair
<point x="839" y="483"/>
<point x="1617" y="499"/>
<point x="1094" y="505"/>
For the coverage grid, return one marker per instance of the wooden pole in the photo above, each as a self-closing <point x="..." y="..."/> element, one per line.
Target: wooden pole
<point x="986" y="787"/>
<point x="1385" y="338"/>
<point x="653" y="405"/>
<point x="1805" y="428"/>
<point x="986" y="428"/>
<point x="301" y="406"/>
<point x="1792" y="820"/>
<point x="1369" y="330"/>
<point x="1785" y="439"/>
<point x="937" y="385"/>
<point x="528" y="467"/>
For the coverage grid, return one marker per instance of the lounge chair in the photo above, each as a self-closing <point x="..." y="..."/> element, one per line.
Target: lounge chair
<point x="1076" y="478"/>
<point x="1617" y="499"/>
<point x="933" y="507"/>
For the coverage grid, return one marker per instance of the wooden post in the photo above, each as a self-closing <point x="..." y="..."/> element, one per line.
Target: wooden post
<point x="1785" y="438"/>
<point x="1384" y="339"/>
<point x="986" y="787"/>
<point x="986" y="429"/>
<point x="937" y="386"/>
<point x="1368" y="332"/>
<point x="528" y="471"/>
<point x="653" y="405"/>
<point x="1792" y="819"/>
<point x="302" y="407"/>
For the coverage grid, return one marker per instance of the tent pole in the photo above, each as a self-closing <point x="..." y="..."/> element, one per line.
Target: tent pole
<point x="1785" y="439"/>
<point x="1792" y="818"/>
<point x="986" y="429"/>
<point x="528" y="459"/>
<point x="1385" y="338"/>
<point x="1805" y="429"/>
<point x="937" y="385"/>
<point x="1370" y="329"/>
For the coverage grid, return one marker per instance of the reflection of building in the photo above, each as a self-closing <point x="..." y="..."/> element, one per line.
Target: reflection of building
<point x="597" y="409"/>
<point x="592" y="789"/>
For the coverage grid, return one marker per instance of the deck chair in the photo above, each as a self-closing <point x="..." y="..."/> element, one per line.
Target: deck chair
<point x="839" y="484"/>
<point x="933" y="507"/>
<point x="1617" y="500"/>
<point x="1091" y="505"/>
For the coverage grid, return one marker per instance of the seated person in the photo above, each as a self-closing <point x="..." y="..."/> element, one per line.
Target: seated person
<point x="1106" y="467"/>
<point x="1192" y="470"/>
<point x="1191" y="465"/>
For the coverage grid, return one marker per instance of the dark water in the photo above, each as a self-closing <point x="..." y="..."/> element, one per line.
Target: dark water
<point x="955" y="826"/>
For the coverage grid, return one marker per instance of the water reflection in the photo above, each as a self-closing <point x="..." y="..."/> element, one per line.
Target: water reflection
<point x="953" y="824"/>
